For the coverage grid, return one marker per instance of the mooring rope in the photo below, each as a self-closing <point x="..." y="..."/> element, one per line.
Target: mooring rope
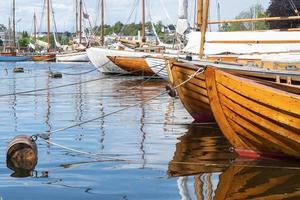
<point x="44" y="136"/>
<point x="65" y="85"/>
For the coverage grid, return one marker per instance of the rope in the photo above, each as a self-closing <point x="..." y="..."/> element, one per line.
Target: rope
<point x="44" y="136"/>
<point x="70" y="74"/>
<point x="66" y="85"/>
<point x="294" y="7"/>
<point x="81" y="152"/>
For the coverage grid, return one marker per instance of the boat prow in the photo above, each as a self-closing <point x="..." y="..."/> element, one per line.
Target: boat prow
<point x="258" y="119"/>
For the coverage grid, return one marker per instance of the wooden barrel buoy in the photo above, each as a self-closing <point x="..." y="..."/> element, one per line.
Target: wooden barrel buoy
<point x="171" y="91"/>
<point x="22" y="153"/>
<point x="55" y="74"/>
<point x="18" y="70"/>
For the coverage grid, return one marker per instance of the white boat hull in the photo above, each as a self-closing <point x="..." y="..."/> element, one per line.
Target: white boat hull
<point x="158" y="66"/>
<point x="98" y="56"/>
<point x="73" y="57"/>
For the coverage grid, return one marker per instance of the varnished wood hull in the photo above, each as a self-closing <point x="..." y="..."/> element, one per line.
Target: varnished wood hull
<point x="257" y="119"/>
<point x="193" y="94"/>
<point x="48" y="57"/>
<point x="134" y="65"/>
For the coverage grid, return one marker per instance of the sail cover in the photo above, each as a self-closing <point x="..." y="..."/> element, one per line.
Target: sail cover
<point x="182" y="23"/>
<point x="233" y="42"/>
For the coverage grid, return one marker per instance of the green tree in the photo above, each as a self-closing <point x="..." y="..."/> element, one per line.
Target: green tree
<point x="255" y="11"/>
<point x="279" y="8"/>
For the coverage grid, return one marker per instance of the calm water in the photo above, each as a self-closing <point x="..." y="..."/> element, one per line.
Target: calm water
<point x="151" y="151"/>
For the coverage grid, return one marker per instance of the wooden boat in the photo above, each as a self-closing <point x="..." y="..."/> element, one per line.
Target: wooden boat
<point x="193" y="94"/>
<point x="44" y="57"/>
<point x="259" y="118"/>
<point x="134" y="65"/>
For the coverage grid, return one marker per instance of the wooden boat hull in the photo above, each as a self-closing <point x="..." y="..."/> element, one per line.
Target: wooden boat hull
<point x="48" y="57"/>
<point x="14" y="58"/>
<point x="258" y="120"/>
<point x="193" y="94"/>
<point x="134" y="65"/>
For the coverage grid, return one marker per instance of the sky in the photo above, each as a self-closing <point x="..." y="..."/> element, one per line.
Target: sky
<point x="115" y="10"/>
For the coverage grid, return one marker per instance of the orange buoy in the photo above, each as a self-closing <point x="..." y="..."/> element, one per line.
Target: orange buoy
<point x="22" y="153"/>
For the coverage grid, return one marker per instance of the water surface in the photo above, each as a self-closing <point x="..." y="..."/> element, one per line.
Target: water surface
<point x="150" y="151"/>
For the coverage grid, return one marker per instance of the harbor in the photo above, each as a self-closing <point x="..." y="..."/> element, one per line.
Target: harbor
<point x="201" y="108"/>
<point x="150" y="151"/>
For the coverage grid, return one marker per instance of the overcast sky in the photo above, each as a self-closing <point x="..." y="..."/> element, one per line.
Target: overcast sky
<point x="116" y="10"/>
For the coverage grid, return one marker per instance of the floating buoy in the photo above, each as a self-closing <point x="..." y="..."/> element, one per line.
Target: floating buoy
<point x="55" y="74"/>
<point x="18" y="70"/>
<point x="171" y="91"/>
<point x="22" y="153"/>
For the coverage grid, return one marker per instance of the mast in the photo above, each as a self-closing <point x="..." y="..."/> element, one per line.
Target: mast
<point x="48" y="24"/>
<point x="143" y="21"/>
<point x="34" y="26"/>
<point x="102" y="22"/>
<point x="204" y="27"/>
<point x="199" y="14"/>
<point x="80" y="21"/>
<point x="14" y="24"/>
<point x="76" y="17"/>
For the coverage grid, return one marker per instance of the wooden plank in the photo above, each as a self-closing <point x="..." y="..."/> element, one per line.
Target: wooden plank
<point x="255" y="119"/>
<point x="264" y="94"/>
<point x="256" y="20"/>
<point x="254" y="41"/>
<point x="218" y="111"/>
<point x="272" y="114"/>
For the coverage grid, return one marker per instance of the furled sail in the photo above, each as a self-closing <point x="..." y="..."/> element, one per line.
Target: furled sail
<point x="182" y="23"/>
<point x="42" y="44"/>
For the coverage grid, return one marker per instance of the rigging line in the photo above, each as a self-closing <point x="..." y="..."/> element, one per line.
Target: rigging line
<point x="70" y="74"/>
<point x="294" y="7"/>
<point x="200" y="70"/>
<point x="82" y="152"/>
<point x="45" y="135"/>
<point x="42" y="17"/>
<point x="134" y="5"/>
<point x="62" y="86"/>
<point x="166" y="12"/>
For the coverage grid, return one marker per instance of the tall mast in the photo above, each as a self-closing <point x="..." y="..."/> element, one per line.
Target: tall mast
<point x="14" y="23"/>
<point x="80" y="21"/>
<point x="204" y="27"/>
<point x="199" y="13"/>
<point x="34" y="28"/>
<point x="48" y="24"/>
<point x="102" y="22"/>
<point x="143" y="21"/>
<point x="76" y="17"/>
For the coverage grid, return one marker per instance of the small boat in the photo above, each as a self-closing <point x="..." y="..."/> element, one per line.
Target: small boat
<point x="134" y="65"/>
<point x="259" y="118"/>
<point x="193" y="94"/>
<point x="14" y="58"/>
<point x="72" y="57"/>
<point x="44" y="57"/>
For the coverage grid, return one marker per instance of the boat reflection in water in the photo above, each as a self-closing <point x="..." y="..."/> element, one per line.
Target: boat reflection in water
<point x="206" y="169"/>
